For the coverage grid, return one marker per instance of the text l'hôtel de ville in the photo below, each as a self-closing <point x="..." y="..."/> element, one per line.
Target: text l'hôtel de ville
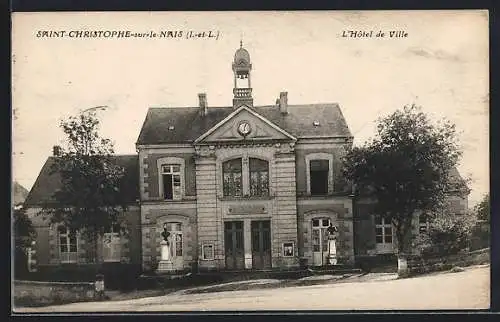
<point x="374" y="34"/>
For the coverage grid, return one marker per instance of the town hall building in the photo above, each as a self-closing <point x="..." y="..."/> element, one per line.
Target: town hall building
<point x="239" y="187"/>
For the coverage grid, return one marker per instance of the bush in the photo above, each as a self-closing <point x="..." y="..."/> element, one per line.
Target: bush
<point x="447" y="235"/>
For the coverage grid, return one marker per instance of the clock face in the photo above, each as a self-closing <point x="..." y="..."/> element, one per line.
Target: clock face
<point x="244" y="128"/>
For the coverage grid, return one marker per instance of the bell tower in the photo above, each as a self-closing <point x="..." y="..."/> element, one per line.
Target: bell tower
<point x="242" y="91"/>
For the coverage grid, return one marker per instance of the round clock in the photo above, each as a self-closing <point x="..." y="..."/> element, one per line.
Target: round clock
<point x="244" y="128"/>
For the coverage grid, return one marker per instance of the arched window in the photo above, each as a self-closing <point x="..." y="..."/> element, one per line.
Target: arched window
<point x="259" y="177"/>
<point x="232" y="176"/>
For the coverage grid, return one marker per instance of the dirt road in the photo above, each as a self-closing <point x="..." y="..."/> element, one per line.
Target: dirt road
<point x="463" y="290"/>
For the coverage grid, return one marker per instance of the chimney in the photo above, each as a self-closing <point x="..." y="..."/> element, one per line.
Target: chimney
<point x="56" y="150"/>
<point x="283" y="102"/>
<point x="202" y="97"/>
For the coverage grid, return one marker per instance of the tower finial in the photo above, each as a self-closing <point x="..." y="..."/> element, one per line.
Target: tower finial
<point x="241" y="43"/>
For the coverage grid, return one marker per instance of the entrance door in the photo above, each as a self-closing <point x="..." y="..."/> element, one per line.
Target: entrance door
<point x="233" y="243"/>
<point x="320" y="241"/>
<point x="261" y="244"/>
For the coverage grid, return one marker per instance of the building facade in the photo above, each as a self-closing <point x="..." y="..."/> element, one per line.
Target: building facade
<point x="239" y="187"/>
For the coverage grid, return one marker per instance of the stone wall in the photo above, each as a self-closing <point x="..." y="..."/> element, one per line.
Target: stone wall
<point x="339" y="211"/>
<point x="284" y="219"/>
<point x="420" y="265"/>
<point x="30" y="293"/>
<point x="150" y="174"/>
<point x="153" y="215"/>
<point x="47" y="241"/>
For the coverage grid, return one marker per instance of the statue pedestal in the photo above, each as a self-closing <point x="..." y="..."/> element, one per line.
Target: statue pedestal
<point x="332" y="254"/>
<point x="165" y="264"/>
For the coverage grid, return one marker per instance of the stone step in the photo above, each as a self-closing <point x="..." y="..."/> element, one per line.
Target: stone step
<point x="338" y="270"/>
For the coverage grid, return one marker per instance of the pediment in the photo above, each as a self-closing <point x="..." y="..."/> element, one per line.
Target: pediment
<point x="244" y="125"/>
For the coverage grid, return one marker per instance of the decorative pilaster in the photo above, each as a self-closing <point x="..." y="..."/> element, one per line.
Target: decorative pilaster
<point x="53" y="245"/>
<point x="208" y="221"/>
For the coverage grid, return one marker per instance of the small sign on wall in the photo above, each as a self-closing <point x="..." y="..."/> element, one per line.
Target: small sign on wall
<point x="289" y="249"/>
<point x="207" y="252"/>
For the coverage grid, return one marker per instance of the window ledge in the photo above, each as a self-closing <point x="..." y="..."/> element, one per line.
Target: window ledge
<point x="186" y="199"/>
<point x="325" y="196"/>
<point x="246" y="198"/>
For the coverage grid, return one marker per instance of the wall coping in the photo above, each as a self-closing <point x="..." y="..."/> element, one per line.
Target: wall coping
<point x="47" y="283"/>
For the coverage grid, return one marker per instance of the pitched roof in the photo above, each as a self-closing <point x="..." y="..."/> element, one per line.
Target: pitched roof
<point x="185" y="124"/>
<point x="19" y="193"/>
<point x="46" y="183"/>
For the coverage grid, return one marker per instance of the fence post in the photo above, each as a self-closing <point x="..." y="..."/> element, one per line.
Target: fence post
<point x="99" y="286"/>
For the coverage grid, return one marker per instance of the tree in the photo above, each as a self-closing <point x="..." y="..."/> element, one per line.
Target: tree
<point x="406" y="168"/>
<point x="447" y="234"/>
<point x="89" y="200"/>
<point x="24" y="235"/>
<point x="483" y="209"/>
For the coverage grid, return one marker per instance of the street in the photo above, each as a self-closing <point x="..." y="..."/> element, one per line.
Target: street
<point x="469" y="289"/>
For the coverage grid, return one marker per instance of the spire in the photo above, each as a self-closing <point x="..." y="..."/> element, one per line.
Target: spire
<point x="242" y="86"/>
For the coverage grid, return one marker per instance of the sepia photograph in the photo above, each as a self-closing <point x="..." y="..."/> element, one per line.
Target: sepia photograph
<point x="250" y="161"/>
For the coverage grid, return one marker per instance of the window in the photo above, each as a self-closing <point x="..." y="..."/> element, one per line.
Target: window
<point x="383" y="235"/>
<point x="288" y="249"/>
<point x="68" y="247"/>
<point x="232" y="176"/>
<point x="111" y="244"/>
<point x="176" y="240"/>
<point x="319" y="175"/>
<point x="207" y="251"/>
<point x="259" y="177"/>
<point x="423" y="224"/>
<point x="171" y="179"/>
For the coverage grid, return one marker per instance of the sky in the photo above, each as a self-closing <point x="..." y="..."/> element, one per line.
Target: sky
<point x="441" y="65"/>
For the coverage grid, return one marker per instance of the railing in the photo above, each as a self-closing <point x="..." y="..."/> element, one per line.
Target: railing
<point x="242" y="92"/>
<point x="67" y="257"/>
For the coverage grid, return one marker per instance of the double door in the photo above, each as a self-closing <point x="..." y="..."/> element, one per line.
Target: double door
<point x="234" y="244"/>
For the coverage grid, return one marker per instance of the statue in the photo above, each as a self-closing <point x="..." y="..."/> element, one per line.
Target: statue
<point x="332" y="244"/>
<point x="165" y="234"/>
<point x="165" y="245"/>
